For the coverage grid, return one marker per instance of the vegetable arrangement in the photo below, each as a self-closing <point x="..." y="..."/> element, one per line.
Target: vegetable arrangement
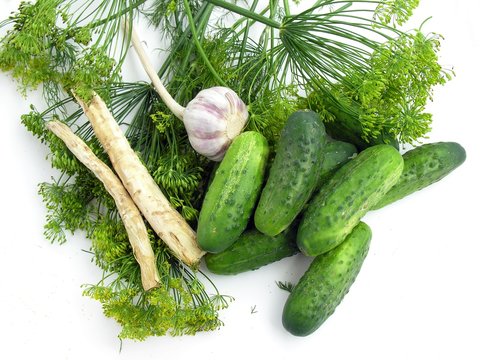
<point x="299" y="127"/>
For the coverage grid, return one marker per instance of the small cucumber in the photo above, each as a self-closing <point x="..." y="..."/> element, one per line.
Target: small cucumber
<point x="294" y="172"/>
<point x="424" y="165"/>
<point x="340" y="204"/>
<point x="231" y="197"/>
<point x="324" y="285"/>
<point x="251" y="251"/>
<point x="337" y="153"/>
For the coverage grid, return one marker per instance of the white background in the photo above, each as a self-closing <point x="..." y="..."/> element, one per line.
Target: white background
<point x="417" y="296"/>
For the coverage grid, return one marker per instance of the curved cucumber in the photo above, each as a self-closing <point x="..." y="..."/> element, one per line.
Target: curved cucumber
<point x="251" y="251"/>
<point x="337" y="153"/>
<point x="325" y="283"/>
<point x="294" y="172"/>
<point x="231" y="197"/>
<point x="340" y="204"/>
<point x="424" y="166"/>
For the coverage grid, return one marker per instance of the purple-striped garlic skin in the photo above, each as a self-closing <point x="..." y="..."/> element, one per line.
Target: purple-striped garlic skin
<point x="213" y="119"/>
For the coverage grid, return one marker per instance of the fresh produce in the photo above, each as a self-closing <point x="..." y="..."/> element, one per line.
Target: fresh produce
<point x="357" y="68"/>
<point x="423" y="166"/>
<point x="233" y="193"/>
<point x="346" y="198"/>
<point x="251" y="251"/>
<point x="323" y="286"/>
<point x="337" y="153"/>
<point x="294" y="173"/>
<point x="131" y="217"/>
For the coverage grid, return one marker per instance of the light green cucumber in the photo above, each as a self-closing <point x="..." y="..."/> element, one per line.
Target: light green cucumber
<point x="323" y="286"/>
<point x="294" y="173"/>
<point x="251" y="251"/>
<point x="424" y="165"/>
<point x="340" y="204"/>
<point x="231" y="197"/>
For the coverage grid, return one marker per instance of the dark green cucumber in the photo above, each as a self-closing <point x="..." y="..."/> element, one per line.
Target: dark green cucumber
<point x="324" y="285"/>
<point x="231" y="197"/>
<point x="424" y="165"/>
<point x="340" y="204"/>
<point x="251" y="251"/>
<point x="294" y="172"/>
<point x="347" y="126"/>
<point x="337" y="153"/>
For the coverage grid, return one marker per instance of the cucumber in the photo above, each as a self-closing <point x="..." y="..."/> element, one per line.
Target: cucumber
<point x="324" y="285"/>
<point x="251" y="251"/>
<point x="347" y="126"/>
<point x="231" y="197"/>
<point x="293" y="174"/>
<point x="340" y="204"/>
<point x="424" y="166"/>
<point x="337" y="153"/>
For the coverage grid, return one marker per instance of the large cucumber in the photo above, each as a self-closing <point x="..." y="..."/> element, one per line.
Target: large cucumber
<point x="424" y="165"/>
<point x="251" y="251"/>
<point x="231" y="197"/>
<point x="336" y="154"/>
<point x="294" y="172"/>
<point x="340" y="204"/>
<point x="323" y="286"/>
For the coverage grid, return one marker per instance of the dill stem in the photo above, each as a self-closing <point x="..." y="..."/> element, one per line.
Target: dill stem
<point x="199" y="46"/>
<point x="174" y="107"/>
<point x="246" y="13"/>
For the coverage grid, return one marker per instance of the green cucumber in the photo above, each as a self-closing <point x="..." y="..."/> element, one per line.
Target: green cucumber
<point x="294" y="172"/>
<point x="323" y="286"/>
<point x="231" y="197"/>
<point x="424" y="165"/>
<point x="340" y="204"/>
<point x="251" y="251"/>
<point x="347" y="126"/>
<point x="337" y="153"/>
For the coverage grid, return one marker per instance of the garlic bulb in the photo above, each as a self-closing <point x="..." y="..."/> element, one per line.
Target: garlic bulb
<point x="213" y="119"/>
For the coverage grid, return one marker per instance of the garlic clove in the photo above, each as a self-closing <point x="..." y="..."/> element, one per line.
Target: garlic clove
<point x="213" y="119"/>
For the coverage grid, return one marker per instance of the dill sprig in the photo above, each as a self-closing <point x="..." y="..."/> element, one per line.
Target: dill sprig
<point x="65" y="44"/>
<point x="362" y="72"/>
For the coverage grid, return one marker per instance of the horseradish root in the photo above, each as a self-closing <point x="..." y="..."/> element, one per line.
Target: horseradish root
<point x="130" y="215"/>
<point x="167" y="222"/>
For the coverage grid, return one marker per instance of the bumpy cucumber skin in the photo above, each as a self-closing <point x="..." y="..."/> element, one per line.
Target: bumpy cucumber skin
<point x="336" y="154"/>
<point x="293" y="174"/>
<point x="340" y="204"/>
<point x="251" y="251"/>
<point x="424" y="165"/>
<point x="325" y="283"/>
<point x="231" y="197"/>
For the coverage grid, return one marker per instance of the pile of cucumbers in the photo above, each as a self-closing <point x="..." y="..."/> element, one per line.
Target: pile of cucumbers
<point x="311" y="199"/>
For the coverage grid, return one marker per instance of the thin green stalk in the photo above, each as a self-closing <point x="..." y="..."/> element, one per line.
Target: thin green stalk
<point x="246" y="13"/>
<point x="200" y="50"/>
<point x="286" y="7"/>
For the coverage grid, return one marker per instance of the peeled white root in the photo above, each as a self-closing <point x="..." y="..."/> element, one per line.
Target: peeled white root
<point x="167" y="222"/>
<point x="130" y="215"/>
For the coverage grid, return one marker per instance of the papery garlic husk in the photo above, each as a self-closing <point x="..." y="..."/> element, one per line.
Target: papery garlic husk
<point x="213" y="119"/>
